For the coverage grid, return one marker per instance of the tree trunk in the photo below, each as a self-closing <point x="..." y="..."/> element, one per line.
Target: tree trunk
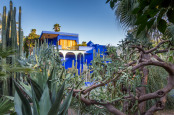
<point x="145" y="72"/>
<point x="142" y="105"/>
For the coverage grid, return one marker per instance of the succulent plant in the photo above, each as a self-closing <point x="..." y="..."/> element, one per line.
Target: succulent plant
<point x="33" y="98"/>
<point x="9" y="41"/>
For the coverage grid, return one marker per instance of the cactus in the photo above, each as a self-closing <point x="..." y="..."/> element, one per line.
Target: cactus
<point x="4" y="86"/>
<point x="98" y="52"/>
<point x="9" y="40"/>
<point x="4" y="28"/>
<point x="94" y="53"/>
<point x="72" y="64"/>
<point x="4" y="35"/>
<point x="20" y="34"/>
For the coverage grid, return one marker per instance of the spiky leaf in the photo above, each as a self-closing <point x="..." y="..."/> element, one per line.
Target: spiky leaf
<point x="35" y="107"/>
<point x="63" y="109"/>
<point x="55" y="107"/>
<point x="45" y="102"/>
<point x="26" y="109"/>
<point x="5" y="105"/>
<point x="37" y="89"/>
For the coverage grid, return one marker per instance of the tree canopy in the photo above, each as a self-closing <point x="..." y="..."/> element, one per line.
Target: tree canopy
<point x="149" y="13"/>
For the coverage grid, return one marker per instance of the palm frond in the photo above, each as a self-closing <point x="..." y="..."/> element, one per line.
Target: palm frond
<point x="5" y="105"/>
<point x="123" y="13"/>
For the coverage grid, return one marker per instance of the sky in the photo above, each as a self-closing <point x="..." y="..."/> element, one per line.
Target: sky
<point x="92" y="19"/>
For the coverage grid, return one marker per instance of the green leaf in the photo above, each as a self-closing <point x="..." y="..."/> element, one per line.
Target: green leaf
<point x="55" y="107"/>
<point x="6" y="53"/>
<point x="112" y="3"/>
<point x="61" y="75"/>
<point x="18" y="104"/>
<point x="63" y="109"/>
<point x="26" y="109"/>
<point x="162" y="25"/>
<point x="135" y="10"/>
<point x="20" y="69"/>
<point x="2" y="74"/>
<point x="5" y="105"/>
<point x="10" y="98"/>
<point x="141" y="28"/>
<point x="160" y="15"/>
<point x="37" y="89"/>
<point x="44" y="78"/>
<point x="107" y="1"/>
<point x="170" y="15"/>
<point x="143" y="4"/>
<point x="45" y="102"/>
<point x="35" y="108"/>
<point x="26" y="88"/>
<point x="152" y="12"/>
<point x="53" y="92"/>
<point x="142" y="19"/>
<point x="52" y="85"/>
<point x="49" y="82"/>
<point x="150" y="23"/>
<point x="171" y="59"/>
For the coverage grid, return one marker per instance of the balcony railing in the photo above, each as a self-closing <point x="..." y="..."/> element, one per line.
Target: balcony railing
<point x="86" y="48"/>
<point x="69" y="48"/>
<point x="72" y="48"/>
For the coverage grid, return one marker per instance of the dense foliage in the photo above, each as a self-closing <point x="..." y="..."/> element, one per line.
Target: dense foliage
<point x="29" y="41"/>
<point x="149" y="12"/>
<point x="136" y="77"/>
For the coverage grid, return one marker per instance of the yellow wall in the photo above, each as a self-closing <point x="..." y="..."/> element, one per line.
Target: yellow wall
<point x="67" y="44"/>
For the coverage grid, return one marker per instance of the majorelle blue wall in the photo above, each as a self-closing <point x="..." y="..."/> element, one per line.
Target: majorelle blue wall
<point x="68" y="37"/>
<point x="53" y="37"/>
<point x="88" y="56"/>
<point x="52" y="41"/>
<point x="69" y="58"/>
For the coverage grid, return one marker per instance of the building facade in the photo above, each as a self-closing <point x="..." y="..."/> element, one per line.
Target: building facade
<point x="70" y="50"/>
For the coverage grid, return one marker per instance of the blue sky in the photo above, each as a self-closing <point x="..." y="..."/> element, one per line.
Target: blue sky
<point x="92" y="19"/>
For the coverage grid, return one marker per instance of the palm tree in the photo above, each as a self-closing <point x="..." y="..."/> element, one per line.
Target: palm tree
<point x="56" y="27"/>
<point x="33" y="31"/>
<point x="123" y="11"/>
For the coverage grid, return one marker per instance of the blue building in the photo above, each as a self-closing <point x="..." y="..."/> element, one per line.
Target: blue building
<point x="69" y="48"/>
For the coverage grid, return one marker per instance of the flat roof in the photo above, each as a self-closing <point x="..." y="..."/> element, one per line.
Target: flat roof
<point x="52" y="34"/>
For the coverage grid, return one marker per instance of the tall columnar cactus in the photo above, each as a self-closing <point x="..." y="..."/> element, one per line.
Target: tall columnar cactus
<point x="94" y="53"/>
<point x="9" y="38"/>
<point x="4" y="28"/>
<point x="3" y="62"/>
<point x="9" y="33"/>
<point x="72" y="64"/>
<point x="20" y="34"/>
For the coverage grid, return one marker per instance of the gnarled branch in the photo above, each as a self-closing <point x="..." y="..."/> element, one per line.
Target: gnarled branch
<point x="159" y="93"/>
<point x="167" y="66"/>
<point x="108" y="106"/>
<point x="162" y="51"/>
<point x="151" y="50"/>
<point x="158" y="106"/>
<point x="155" y="48"/>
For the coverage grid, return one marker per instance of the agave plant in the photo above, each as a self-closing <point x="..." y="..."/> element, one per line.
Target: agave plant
<point x="42" y="92"/>
<point x="5" y="105"/>
<point x="41" y="97"/>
